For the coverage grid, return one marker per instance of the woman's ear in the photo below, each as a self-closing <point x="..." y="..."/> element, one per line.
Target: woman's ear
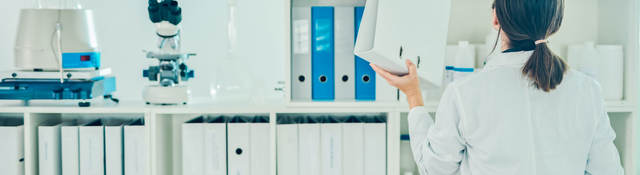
<point x="494" y="20"/>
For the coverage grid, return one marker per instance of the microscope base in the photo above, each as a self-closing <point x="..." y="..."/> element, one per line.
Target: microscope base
<point x="159" y="95"/>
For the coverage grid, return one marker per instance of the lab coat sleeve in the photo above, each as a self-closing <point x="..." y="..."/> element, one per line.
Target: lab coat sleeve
<point x="604" y="158"/>
<point x="438" y="147"/>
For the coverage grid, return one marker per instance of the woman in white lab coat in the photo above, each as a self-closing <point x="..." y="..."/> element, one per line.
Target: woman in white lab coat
<point x="525" y="113"/>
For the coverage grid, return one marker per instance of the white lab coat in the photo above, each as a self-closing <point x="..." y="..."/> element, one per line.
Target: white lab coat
<point x="495" y="122"/>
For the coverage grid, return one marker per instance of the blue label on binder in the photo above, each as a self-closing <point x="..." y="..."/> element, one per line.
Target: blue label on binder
<point x="322" y="53"/>
<point x="365" y="76"/>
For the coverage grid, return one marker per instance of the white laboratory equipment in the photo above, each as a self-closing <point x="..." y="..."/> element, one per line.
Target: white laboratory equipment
<point x="455" y="73"/>
<point x="59" y="4"/>
<point x="232" y="84"/>
<point x="462" y="55"/>
<point x="605" y="63"/>
<point x="584" y="58"/>
<point x="171" y="72"/>
<point x="56" y="56"/>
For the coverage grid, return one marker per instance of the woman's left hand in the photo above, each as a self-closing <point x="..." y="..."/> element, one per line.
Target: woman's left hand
<point x="408" y="84"/>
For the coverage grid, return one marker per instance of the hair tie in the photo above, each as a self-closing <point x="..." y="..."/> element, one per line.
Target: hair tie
<point x="541" y="41"/>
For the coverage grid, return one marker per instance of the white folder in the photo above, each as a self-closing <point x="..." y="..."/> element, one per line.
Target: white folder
<point x="331" y="148"/>
<point x="287" y="149"/>
<point x="12" y="134"/>
<point x="301" y="53"/>
<point x="238" y="151"/>
<point x="135" y="148"/>
<point x="375" y="148"/>
<point x="260" y="147"/>
<point x="344" y="58"/>
<point x="392" y="31"/>
<point x="309" y="148"/>
<point x="353" y="147"/>
<point x="49" y="148"/>
<point x="193" y="147"/>
<point x="113" y="147"/>
<point x="215" y="146"/>
<point x="70" y="148"/>
<point x="92" y="148"/>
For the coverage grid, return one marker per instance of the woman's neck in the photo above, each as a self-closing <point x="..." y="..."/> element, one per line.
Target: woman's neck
<point x="505" y="45"/>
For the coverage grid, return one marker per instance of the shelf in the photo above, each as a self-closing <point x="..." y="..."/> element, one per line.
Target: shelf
<point x="129" y="107"/>
<point x="611" y="107"/>
<point x="50" y="106"/>
<point x="620" y="106"/>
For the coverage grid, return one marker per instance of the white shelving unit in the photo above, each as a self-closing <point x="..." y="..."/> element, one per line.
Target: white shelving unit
<point x="163" y="127"/>
<point x="602" y="21"/>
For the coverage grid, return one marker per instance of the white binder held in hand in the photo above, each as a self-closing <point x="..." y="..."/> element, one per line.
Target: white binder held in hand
<point x="392" y="31"/>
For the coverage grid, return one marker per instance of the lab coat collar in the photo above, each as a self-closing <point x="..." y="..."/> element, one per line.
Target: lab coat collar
<point x="508" y="59"/>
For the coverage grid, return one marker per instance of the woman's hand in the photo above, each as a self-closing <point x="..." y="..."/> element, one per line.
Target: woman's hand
<point x="408" y="84"/>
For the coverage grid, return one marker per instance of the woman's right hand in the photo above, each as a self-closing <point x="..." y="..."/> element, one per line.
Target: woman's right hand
<point x="408" y="84"/>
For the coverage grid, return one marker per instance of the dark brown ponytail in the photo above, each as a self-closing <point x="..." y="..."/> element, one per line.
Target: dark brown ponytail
<point x="527" y="21"/>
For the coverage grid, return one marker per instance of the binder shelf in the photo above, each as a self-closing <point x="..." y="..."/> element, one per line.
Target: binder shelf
<point x="288" y="137"/>
<point x="323" y="66"/>
<point x="226" y="145"/>
<point x="331" y="144"/>
<point x="76" y="143"/>
<point x="213" y="143"/>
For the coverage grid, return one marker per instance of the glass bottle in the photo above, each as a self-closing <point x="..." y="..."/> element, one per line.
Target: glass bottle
<point x="59" y="4"/>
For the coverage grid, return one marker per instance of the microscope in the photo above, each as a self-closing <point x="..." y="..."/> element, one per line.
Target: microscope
<point x="171" y="72"/>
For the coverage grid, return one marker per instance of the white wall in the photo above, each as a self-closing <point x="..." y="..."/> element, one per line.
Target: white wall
<point x="258" y="59"/>
<point x="471" y="21"/>
<point x="124" y="30"/>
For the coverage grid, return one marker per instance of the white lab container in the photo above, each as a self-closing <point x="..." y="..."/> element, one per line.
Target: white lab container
<point x="453" y="73"/>
<point x="611" y="73"/>
<point x="465" y="55"/>
<point x="584" y="58"/>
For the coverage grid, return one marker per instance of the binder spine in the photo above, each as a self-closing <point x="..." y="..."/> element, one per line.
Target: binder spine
<point x="135" y="152"/>
<point x="375" y="149"/>
<point x="70" y="151"/>
<point x="353" y="148"/>
<point x="193" y="148"/>
<point x="323" y="53"/>
<point x="287" y="149"/>
<point x="49" y="150"/>
<point x="215" y="148"/>
<point x="365" y="77"/>
<point x="260" y="149"/>
<point x="113" y="150"/>
<point x="92" y="150"/>
<point x="309" y="148"/>
<point x="238" y="148"/>
<point x="331" y="146"/>
<point x="301" y="56"/>
<point x="344" y="45"/>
